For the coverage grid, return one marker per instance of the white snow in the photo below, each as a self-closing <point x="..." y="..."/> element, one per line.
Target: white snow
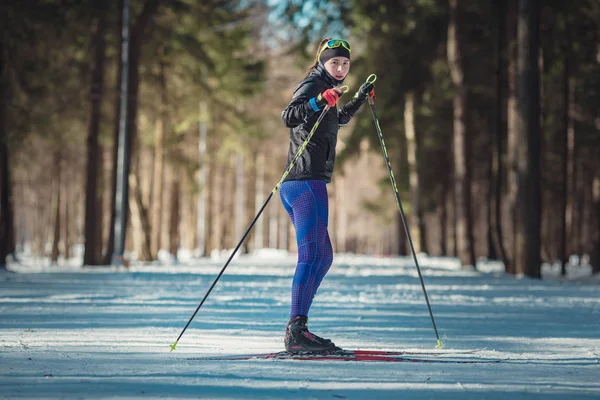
<point x="104" y="333"/>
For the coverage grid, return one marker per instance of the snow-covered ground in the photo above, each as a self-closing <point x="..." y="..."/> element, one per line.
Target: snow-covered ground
<point x="96" y="333"/>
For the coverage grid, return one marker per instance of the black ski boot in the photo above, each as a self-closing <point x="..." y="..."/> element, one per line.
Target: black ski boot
<point x="299" y="340"/>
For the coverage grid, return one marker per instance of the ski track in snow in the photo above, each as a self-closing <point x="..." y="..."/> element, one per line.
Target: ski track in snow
<point x="95" y="333"/>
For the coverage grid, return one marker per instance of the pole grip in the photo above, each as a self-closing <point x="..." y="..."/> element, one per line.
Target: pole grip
<point x="371" y="79"/>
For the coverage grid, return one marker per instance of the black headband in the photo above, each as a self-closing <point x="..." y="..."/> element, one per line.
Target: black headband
<point x="328" y="54"/>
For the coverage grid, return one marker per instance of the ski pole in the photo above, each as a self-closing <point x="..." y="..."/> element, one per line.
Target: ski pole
<point x="371" y="79"/>
<point x="343" y="89"/>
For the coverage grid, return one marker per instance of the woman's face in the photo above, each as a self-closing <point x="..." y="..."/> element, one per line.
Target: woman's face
<point x="338" y="67"/>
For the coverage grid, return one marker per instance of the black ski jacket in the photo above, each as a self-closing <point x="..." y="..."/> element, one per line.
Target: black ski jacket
<point x="317" y="160"/>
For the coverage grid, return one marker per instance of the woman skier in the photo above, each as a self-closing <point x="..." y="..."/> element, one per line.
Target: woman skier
<point x="303" y="192"/>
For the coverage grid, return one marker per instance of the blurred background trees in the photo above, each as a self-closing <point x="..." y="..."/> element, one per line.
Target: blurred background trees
<point x="489" y="110"/>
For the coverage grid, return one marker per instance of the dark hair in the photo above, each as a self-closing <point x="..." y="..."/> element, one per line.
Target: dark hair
<point x="316" y="57"/>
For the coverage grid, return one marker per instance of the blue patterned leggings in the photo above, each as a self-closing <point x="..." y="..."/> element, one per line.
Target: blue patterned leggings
<point x="307" y="204"/>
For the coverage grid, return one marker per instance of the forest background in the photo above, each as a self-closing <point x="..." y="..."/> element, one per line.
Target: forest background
<point x="489" y="110"/>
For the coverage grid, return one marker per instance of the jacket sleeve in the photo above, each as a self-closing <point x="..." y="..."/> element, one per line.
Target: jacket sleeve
<point x="300" y="108"/>
<point x="348" y="110"/>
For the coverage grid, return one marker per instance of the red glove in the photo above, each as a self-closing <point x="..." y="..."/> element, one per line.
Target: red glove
<point x="330" y="96"/>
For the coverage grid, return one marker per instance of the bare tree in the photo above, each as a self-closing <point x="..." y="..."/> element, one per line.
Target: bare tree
<point x="415" y="221"/>
<point x="57" y="201"/>
<point x="216" y="212"/>
<point x="341" y="214"/>
<point x="462" y="175"/>
<point x="174" y="217"/>
<point x="150" y="7"/>
<point x="159" y="162"/>
<point x="497" y="170"/>
<point x="259" y="230"/>
<point x="528" y="237"/>
<point x="67" y="217"/>
<point x="568" y="162"/>
<point x="141" y="210"/>
<point x="595" y="256"/>
<point x="93" y="241"/>
<point x="240" y="200"/>
<point x="512" y="133"/>
<point x="6" y="210"/>
<point x="110" y="245"/>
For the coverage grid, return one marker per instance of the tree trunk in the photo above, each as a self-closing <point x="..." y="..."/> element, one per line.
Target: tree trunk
<point x="6" y="230"/>
<point x="402" y="245"/>
<point x="217" y="203"/>
<point x="443" y="211"/>
<point x="259" y="200"/>
<point x="35" y="215"/>
<point x="512" y="135"/>
<point x="240" y="201"/>
<point x="528" y="236"/>
<point x="56" y="223"/>
<point x="135" y="50"/>
<point x="141" y="211"/>
<point x="462" y="184"/>
<point x="203" y="203"/>
<point x="6" y="210"/>
<point x="157" y="187"/>
<point x="157" y="202"/>
<point x="159" y="173"/>
<point x="413" y="175"/>
<point x="210" y="194"/>
<point x="136" y="221"/>
<point x="228" y="211"/>
<point x="566" y="220"/>
<point x="595" y="254"/>
<point x="100" y="209"/>
<point x="576" y="205"/>
<point x="249" y="205"/>
<point x="189" y="217"/>
<point x="67" y="218"/>
<point x="273" y="225"/>
<point x="495" y="200"/>
<point x="587" y="206"/>
<point x="110" y="245"/>
<point x="174" y="237"/>
<point x="93" y="243"/>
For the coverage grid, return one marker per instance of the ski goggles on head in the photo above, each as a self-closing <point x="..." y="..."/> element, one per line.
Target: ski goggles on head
<point x="333" y="43"/>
